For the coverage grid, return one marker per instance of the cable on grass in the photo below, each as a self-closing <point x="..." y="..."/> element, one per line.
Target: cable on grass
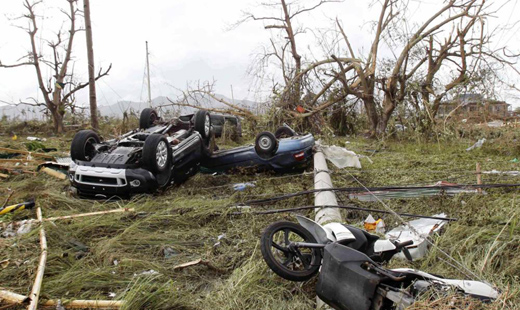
<point x="344" y="207"/>
<point x="371" y="189"/>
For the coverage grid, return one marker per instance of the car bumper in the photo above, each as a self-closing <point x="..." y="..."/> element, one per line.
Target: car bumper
<point x="106" y="182"/>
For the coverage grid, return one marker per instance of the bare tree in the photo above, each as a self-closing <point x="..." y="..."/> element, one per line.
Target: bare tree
<point x="284" y="49"/>
<point x="431" y="59"/>
<point x="59" y="90"/>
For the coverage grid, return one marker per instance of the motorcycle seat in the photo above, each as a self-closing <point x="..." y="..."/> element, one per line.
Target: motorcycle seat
<point x="362" y="241"/>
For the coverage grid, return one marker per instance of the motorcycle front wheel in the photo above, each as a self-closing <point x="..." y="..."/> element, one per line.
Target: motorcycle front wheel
<point x="296" y="264"/>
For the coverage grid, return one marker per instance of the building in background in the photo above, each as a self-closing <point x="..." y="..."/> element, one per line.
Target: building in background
<point x="474" y="105"/>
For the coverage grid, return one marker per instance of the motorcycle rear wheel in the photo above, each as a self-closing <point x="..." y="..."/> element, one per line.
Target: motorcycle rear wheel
<point x="292" y="264"/>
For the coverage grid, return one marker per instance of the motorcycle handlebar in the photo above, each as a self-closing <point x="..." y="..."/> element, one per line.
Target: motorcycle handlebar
<point x="399" y="245"/>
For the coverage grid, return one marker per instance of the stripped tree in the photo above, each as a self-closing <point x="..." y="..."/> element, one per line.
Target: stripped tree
<point x="283" y="47"/>
<point x="424" y="61"/>
<point x="59" y="90"/>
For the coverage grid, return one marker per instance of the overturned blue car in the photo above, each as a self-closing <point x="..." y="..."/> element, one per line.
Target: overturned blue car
<point x="283" y="151"/>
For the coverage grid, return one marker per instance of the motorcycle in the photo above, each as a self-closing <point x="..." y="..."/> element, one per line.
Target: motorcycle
<point x="352" y="276"/>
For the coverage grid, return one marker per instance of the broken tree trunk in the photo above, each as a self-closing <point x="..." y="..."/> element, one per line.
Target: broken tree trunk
<point x="324" y="215"/>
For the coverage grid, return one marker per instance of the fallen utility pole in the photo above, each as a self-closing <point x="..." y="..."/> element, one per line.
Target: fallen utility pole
<point x="323" y="200"/>
<point x="322" y="197"/>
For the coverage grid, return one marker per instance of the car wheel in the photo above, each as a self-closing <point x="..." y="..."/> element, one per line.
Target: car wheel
<point x="83" y="145"/>
<point x="157" y="153"/>
<point x="148" y="118"/>
<point x="295" y="264"/>
<point x="266" y="144"/>
<point x="202" y="123"/>
<point x="283" y="132"/>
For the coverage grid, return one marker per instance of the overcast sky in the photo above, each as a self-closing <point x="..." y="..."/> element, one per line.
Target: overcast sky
<point x="188" y="40"/>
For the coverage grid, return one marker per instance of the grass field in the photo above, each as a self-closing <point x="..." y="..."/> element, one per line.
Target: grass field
<point x="131" y="256"/>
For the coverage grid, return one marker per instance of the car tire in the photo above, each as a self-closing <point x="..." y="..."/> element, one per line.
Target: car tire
<point x="285" y="262"/>
<point x="202" y="123"/>
<point x="83" y="145"/>
<point x="283" y="132"/>
<point x="147" y="118"/>
<point x="266" y="144"/>
<point x="157" y="154"/>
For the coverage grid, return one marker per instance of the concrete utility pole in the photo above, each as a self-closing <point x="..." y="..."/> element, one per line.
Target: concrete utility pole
<point x="91" y="75"/>
<point x="323" y="200"/>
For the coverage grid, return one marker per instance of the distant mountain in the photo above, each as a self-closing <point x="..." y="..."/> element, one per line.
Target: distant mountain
<point x="22" y="112"/>
<point x="117" y="109"/>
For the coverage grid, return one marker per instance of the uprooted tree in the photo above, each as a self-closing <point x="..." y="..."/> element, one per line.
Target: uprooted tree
<point x="420" y="65"/>
<point x="59" y="89"/>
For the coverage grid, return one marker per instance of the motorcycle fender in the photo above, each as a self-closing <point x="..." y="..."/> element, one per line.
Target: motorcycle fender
<point x="318" y="232"/>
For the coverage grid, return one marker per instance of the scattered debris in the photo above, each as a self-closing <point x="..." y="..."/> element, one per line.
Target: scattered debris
<point x="13" y="297"/>
<point x="495" y="124"/>
<point x="54" y="173"/>
<point x="371" y="224"/>
<point x="20" y="206"/>
<point x="17" y="228"/>
<point x="197" y="262"/>
<point x="36" y="139"/>
<point x="147" y="273"/>
<point x="424" y="228"/>
<point x="243" y="186"/>
<point x="478" y="144"/>
<point x="4" y="263"/>
<point x="169" y="252"/>
<point x="341" y="157"/>
<point x="218" y="239"/>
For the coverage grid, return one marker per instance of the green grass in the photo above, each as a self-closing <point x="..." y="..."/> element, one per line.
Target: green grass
<point x="187" y="221"/>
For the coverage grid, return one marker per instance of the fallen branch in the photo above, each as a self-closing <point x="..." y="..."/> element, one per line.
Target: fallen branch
<point x="67" y="217"/>
<point x="35" y="293"/>
<point x="17" y="171"/>
<point x="4" y="176"/>
<point x="14" y="298"/>
<point x="14" y="160"/>
<point x="85" y="304"/>
<point x="197" y="262"/>
<point x="7" y="199"/>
